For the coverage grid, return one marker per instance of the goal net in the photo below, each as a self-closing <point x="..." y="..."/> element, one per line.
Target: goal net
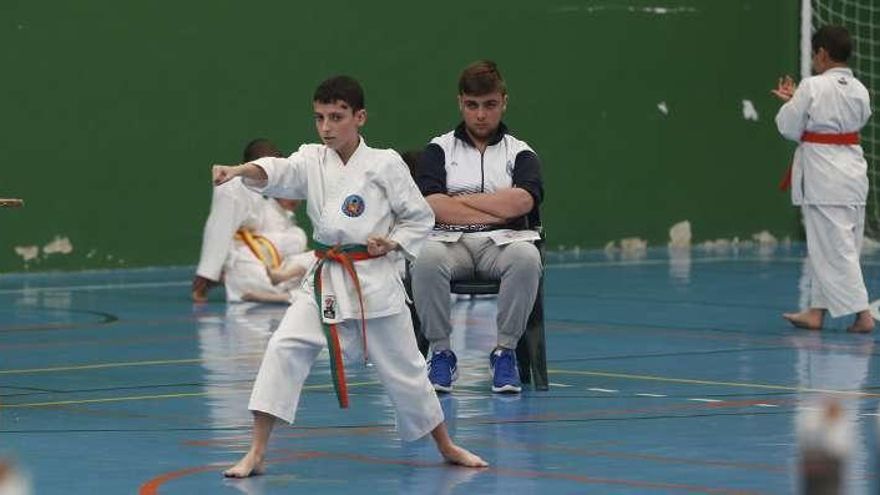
<point x="862" y="19"/>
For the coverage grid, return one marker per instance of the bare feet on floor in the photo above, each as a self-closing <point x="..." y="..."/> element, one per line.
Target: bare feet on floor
<point x="461" y="457"/>
<point x="810" y="319"/>
<point x="864" y="323"/>
<point x="249" y="465"/>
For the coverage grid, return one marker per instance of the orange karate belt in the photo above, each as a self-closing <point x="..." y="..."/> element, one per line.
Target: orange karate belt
<point x="346" y="255"/>
<point x="844" y="139"/>
<point x="262" y="248"/>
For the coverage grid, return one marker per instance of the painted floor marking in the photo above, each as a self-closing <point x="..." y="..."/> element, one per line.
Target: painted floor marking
<point x="691" y="381"/>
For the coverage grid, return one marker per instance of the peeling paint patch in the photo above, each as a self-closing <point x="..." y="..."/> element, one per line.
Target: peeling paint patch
<point x="749" y="111"/>
<point x="765" y="238"/>
<point x="591" y="9"/>
<point x="633" y="248"/>
<point x="633" y="244"/>
<point x="59" y="245"/>
<point x="27" y="253"/>
<point x="720" y="245"/>
<point x="664" y="109"/>
<point x="680" y="235"/>
<point x="663" y="10"/>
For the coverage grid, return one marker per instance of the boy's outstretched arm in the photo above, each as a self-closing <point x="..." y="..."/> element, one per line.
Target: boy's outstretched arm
<point x="251" y="171"/>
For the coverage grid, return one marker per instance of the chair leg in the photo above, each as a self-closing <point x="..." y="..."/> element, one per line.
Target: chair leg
<point x="422" y="342"/>
<point x="524" y="360"/>
<point x="536" y="342"/>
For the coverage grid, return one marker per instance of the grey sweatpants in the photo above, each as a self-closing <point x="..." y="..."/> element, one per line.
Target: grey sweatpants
<point x="517" y="265"/>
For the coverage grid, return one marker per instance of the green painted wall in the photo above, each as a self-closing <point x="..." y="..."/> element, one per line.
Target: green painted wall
<point x="112" y="112"/>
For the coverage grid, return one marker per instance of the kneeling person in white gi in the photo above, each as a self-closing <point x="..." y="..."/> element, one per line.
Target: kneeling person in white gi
<point x="247" y="234"/>
<point x="829" y="178"/>
<point x="363" y="204"/>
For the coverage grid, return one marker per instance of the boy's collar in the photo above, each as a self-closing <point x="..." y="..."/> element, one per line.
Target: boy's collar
<point x="461" y="133"/>
<point x="845" y="70"/>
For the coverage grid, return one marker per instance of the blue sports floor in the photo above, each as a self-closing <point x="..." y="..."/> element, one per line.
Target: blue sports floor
<point x="670" y="374"/>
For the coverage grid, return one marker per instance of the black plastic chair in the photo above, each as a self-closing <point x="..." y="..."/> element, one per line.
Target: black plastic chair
<point x="531" y="351"/>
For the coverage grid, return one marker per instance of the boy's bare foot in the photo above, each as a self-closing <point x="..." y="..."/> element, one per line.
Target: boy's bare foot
<point x="249" y="465"/>
<point x="810" y="319"/>
<point x="461" y="457"/>
<point x="864" y="323"/>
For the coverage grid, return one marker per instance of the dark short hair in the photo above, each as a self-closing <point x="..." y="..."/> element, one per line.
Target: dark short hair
<point x="835" y="40"/>
<point x="341" y="88"/>
<point x="481" y="78"/>
<point x="259" y="148"/>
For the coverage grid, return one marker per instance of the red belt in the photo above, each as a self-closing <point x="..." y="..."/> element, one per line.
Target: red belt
<point x="845" y="139"/>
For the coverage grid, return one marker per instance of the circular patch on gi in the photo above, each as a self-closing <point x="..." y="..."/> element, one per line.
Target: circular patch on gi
<point x="353" y="206"/>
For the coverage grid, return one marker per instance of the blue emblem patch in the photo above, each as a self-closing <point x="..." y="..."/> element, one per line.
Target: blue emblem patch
<point x="353" y="206"/>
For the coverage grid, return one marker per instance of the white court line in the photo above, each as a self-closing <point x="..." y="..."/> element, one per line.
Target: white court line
<point x="870" y="414"/>
<point x="652" y="395"/>
<point x="648" y="262"/>
<point x="603" y="390"/>
<point x="73" y="288"/>
<point x="706" y="400"/>
<point x="553" y="384"/>
<point x="766" y="405"/>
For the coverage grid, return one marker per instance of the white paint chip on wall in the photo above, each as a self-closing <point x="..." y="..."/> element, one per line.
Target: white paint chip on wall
<point x="749" y="111"/>
<point x="27" y="253"/>
<point x="680" y="235"/>
<point x="59" y="245"/>
<point x="664" y="109"/>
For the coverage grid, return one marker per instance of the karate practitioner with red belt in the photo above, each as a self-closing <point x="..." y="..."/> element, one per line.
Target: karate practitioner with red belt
<point x="828" y="178"/>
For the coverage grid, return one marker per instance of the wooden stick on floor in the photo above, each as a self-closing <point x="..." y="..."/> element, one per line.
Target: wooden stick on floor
<point x="11" y="203"/>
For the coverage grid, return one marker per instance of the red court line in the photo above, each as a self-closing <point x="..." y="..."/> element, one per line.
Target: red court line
<point x="235" y="440"/>
<point x="152" y="486"/>
<point x="628" y="455"/>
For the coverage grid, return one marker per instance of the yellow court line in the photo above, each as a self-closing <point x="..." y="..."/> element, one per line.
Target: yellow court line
<point x="155" y="397"/>
<point x="712" y="382"/>
<point x="113" y="365"/>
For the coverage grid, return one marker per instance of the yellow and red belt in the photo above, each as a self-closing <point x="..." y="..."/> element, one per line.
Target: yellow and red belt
<point x="844" y="139"/>
<point x="346" y="255"/>
<point x="262" y="248"/>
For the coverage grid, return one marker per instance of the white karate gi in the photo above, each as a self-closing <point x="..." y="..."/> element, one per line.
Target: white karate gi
<point x="371" y="194"/>
<point x="830" y="183"/>
<point x="234" y="206"/>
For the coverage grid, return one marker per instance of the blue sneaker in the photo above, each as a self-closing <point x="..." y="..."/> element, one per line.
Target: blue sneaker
<point x="442" y="370"/>
<point x="505" y="374"/>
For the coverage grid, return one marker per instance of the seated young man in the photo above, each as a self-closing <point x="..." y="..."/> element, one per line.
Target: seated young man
<point x="247" y="235"/>
<point x="484" y="186"/>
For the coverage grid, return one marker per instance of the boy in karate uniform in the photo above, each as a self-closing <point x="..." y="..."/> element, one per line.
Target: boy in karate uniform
<point x="363" y="205"/>
<point x="829" y="178"/>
